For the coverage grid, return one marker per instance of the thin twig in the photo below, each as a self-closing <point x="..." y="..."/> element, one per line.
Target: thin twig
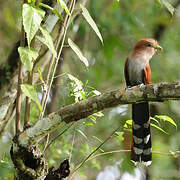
<point x="86" y="159"/>
<point x="30" y="81"/>
<point x="60" y="75"/>
<point x="110" y="152"/>
<point x="28" y="103"/>
<point x="59" y="135"/>
<point x="72" y="145"/>
<point x="62" y="36"/>
<point x="127" y="151"/>
<point x="20" y="81"/>
<point x="28" y="100"/>
<point x="50" y="67"/>
<point x="46" y="144"/>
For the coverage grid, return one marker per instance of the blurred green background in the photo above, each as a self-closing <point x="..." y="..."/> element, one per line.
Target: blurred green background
<point x="121" y="25"/>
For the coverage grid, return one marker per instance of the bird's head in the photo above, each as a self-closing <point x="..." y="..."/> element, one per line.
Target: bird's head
<point x="146" y="47"/>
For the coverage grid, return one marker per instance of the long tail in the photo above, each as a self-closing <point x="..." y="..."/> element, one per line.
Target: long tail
<point x="141" y="149"/>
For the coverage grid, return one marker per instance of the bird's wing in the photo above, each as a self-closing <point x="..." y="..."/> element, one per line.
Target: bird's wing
<point x="126" y="75"/>
<point x="147" y="74"/>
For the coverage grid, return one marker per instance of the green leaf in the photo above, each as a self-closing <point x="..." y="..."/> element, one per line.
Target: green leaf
<point x="27" y="56"/>
<point x="91" y="22"/>
<point x="175" y="154"/>
<point x="40" y="75"/>
<point x="31" y="92"/>
<point x="63" y="5"/>
<point x="151" y="118"/>
<point x="157" y="127"/>
<point x="99" y="114"/>
<point x="78" y="52"/>
<point x="32" y="18"/>
<point x="93" y="118"/>
<point x="47" y="40"/>
<point x="76" y="80"/>
<point x="120" y="135"/>
<point x="96" y="92"/>
<point x="97" y="139"/>
<point x="83" y="95"/>
<point x="166" y="118"/>
<point x="77" y="86"/>
<point x="169" y="7"/>
<point x="129" y="122"/>
<point x="82" y="133"/>
<point x="52" y="10"/>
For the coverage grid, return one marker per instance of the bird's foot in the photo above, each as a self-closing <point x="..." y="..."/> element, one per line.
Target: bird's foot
<point x="128" y="87"/>
<point x="141" y="85"/>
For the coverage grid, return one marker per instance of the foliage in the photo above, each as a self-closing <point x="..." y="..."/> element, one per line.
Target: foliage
<point x="28" y="56"/>
<point x="118" y="24"/>
<point x="31" y="92"/>
<point x="76" y="49"/>
<point x="32" y="18"/>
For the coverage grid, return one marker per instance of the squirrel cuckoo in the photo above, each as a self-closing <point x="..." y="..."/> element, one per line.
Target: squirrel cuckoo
<point x="137" y="71"/>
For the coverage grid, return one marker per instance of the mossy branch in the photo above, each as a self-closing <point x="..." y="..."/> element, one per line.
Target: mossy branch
<point x="74" y="112"/>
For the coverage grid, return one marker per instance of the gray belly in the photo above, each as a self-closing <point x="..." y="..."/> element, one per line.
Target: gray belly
<point x="136" y="73"/>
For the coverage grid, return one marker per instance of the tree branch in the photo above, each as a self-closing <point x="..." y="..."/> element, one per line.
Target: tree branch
<point x="74" y="112"/>
<point x="8" y="92"/>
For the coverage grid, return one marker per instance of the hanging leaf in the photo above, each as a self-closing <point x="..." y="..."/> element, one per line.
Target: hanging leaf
<point x="169" y="7"/>
<point x="78" y="52"/>
<point x="99" y="114"/>
<point x="157" y="127"/>
<point x="40" y="75"/>
<point x="120" y="135"/>
<point x="128" y="124"/>
<point x="91" y="22"/>
<point x="63" y="5"/>
<point x="47" y="40"/>
<point x="97" y="139"/>
<point x="151" y="118"/>
<point x="31" y="92"/>
<point x="53" y="10"/>
<point x="27" y="56"/>
<point x="82" y="133"/>
<point x="166" y="118"/>
<point x="32" y="18"/>
<point x="78" y="83"/>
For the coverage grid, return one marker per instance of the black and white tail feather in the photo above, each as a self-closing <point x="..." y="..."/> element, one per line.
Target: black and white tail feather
<point x="141" y="148"/>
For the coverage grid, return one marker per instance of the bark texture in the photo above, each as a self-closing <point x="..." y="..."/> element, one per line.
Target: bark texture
<point x="74" y="112"/>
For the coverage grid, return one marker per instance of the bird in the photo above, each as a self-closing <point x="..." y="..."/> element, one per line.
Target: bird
<point x="137" y="71"/>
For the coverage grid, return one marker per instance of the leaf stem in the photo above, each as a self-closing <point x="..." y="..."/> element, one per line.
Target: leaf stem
<point x="97" y="148"/>
<point x="30" y="81"/>
<point x="28" y="102"/>
<point x="54" y="62"/>
<point x="20" y="81"/>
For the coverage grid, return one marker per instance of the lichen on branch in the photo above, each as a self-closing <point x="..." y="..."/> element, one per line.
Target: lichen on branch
<point x="74" y="112"/>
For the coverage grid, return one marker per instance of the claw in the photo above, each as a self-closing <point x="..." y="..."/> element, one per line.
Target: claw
<point x="141" y="85"/>
<point x="128" y="87"/>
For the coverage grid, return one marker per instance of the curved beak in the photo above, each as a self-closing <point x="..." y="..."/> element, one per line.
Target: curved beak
<point x="158" y="47"/>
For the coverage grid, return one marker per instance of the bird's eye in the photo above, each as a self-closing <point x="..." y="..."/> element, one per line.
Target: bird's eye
<point x="149" y="45"/>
